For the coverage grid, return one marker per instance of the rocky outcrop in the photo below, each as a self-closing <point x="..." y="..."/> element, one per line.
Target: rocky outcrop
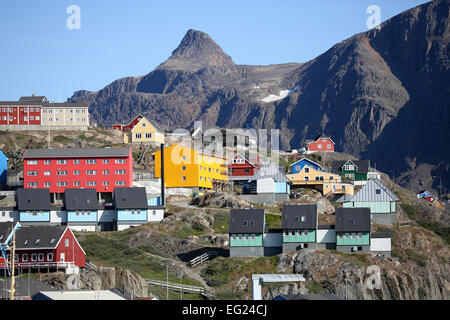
<point x="420" y="272"/>
<point x="127" y="281"/>
<point x="220" y="200"/>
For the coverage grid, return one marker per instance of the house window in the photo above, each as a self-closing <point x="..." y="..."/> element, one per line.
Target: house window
<point x="77" y="161"/>
<point x="106" y="183"/>
<point x="47" y="173"/>
<point x="148" y="135"/>
<point x="66" y="243"/>
<point x="61" y="161"/>
<point x="91" y="161"/>
<point x="329" y="146"/>
<point x="120" y="183"/>
<point x="121" y="172"/>
<point x="62" y="173"/>
<point x="320" y="146"/>
<point x="306" y="170"/>
<point x="32" y="173"/>
<point x="61" y="184"/>
<point x="32" y="162"/>
<point x="183" y="178"/>
<point x="25" y="257"/>
<point x="138" y="136"/>
<point x="47" y="184"/>
<point x="91" y="183"/>
<point x="33" y="257"/>
<point x="378" y="191"/>
<point x="105" y="161"/>
<point x="76" y="173"/>
<point x="91" y="173"/>
<point x="40" y="257"/>
<point x="105" y="172"/>
<point x="49" y="256"/>
<point x="120" y="160"/>
<point x="76" y="183"/>
<point x="32" y="184"/>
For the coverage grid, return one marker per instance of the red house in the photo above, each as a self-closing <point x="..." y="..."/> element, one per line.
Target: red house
<point x="320" y="143"/>
<point x="241" y="167"/>
<point x="58" y="169"/>
<point x="52" y="247"/>
<point x="129" y="126"/>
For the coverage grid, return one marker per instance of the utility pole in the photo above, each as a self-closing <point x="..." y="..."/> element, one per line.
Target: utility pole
<point x="13" y="280"/>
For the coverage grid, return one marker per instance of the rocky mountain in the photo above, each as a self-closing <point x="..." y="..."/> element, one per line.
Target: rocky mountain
<point x="381" y="94"/>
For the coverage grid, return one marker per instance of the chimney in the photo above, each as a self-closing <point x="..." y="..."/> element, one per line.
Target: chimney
<point x="163" y="200"/>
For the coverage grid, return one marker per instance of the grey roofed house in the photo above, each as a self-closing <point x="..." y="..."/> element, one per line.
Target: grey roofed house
<point x="76" y="153"/>
<point x="27" y="99"/>
<point x="269" y="170"/>
<point x="374" y="191"/>
<point x="81" y="199"/>
<point x="246" y="221"/>
<point x="130" y="198"/>
<point x="299" y="216"/>
<point x="27" y="237"/>
<point x="33" y="199"/>
<point x="352" y="219"/>
<point x="362" y="165"/>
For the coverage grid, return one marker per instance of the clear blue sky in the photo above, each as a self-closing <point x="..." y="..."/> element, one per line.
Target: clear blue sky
<point x="119" y="38"/>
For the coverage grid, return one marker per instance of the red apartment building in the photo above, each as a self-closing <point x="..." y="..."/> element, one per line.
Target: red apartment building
<point x="58" y="169"/>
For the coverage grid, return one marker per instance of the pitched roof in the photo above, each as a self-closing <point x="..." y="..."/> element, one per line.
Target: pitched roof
<point x="269" y="170"/>
<point x="309" y="160"/>
<point x="374" y="191"/>
<point x="81" y="199"/>
<point x="155" y="124"/>
<point x="352" y="219"/>
<point x="362" y="165"/>
<point x="33" y="99"/>
<point x="292" y="216"/>
<point x="76" y="153"/>
<point x="130" y="198"/>
<point x="33" y="199"/>
<point x="246" y="221"/>
<point x="27" y="237"/>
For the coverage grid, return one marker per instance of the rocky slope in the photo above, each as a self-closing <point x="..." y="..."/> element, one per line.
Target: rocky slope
<point x="418" y="270"/>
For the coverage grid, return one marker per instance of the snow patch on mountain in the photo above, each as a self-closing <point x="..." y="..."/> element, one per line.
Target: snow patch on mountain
<point x="283" y="94"/>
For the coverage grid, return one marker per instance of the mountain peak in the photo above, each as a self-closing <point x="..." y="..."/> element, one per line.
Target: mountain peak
<point x="197" y="50"/>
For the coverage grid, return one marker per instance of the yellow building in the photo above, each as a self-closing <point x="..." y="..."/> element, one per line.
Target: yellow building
<point x="188" y="168"/>
<point x="144" y="131"/>
<point x="324" y="181"/>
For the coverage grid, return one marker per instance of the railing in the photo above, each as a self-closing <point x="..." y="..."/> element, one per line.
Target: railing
<point x="34" y="264"/>
<point x="177" y="286"/>
<point x="313" y="182"/>
<point x="202" y="258"/>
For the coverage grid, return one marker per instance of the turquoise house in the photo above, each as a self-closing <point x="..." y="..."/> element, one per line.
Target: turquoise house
<point x="299" y="224"/>
<point x="82" y="208"/>
<point x="246" y="229"/>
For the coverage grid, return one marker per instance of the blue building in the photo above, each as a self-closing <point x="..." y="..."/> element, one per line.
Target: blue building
<point x="34" y="205"/>
<point x="300" y="164"/>
<point x="82" y="209"/>
<point x="3" y="167"/>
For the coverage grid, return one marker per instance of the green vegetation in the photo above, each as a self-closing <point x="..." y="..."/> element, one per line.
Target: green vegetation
<point x="113" y="250"/>
<point x="273" y="221"/>
<point x="221" y="221"/>
<point x="355" y="258"/>
<point x="229" y="295"/>
<point x="444" y="233"/>
<point x="62" y="139"/>
<point x="418" y="258"/>
<point x="314" y="287"/>
<point x="409" y="209"/>
<point x="219" y="272"/>
<point x="196" y="229"/>
<point x="161" y="293"/>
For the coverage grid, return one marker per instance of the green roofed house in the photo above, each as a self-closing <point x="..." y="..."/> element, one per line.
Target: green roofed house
<point x="352" y="230"/>
<point x="246" y="229"/>
<point x="354" y="170"/>
<point x="299" y="224"/>
<point x="378" y="198"/>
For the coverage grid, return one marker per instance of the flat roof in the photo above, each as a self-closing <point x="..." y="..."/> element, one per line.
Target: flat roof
<point x="82" y="295"/>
